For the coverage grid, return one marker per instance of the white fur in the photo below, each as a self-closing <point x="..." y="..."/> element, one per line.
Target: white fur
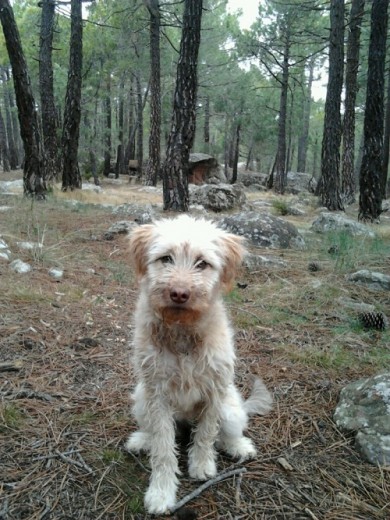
<point x="184" y="353"/>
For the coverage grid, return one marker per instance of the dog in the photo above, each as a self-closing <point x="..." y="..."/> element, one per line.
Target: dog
<point x="183" y="353"/>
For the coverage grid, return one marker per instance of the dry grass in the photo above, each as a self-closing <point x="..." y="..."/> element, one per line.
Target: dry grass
<point x="64" y="409"/>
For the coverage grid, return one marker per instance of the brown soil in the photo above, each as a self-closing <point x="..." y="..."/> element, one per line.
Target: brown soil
<point x="65" y="412"/>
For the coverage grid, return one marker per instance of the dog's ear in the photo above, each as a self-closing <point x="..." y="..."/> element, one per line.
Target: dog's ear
<point x="234" y="252"/>
<point x="139" y="241"/>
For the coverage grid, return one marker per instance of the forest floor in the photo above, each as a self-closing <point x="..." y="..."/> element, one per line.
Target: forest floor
<point x="65" y="398"/>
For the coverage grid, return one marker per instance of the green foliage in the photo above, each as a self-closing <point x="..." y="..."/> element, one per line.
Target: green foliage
<point x="11" y="417"/>
<point x="280" y="206"/>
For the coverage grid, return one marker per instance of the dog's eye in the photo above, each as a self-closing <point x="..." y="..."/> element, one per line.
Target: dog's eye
<point x="167" y="259"/>
<point x="202" y="265"/>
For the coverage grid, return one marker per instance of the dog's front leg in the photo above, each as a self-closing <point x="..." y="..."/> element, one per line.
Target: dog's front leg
<point x="161" y="493"/>
<point x="202" y="453"/>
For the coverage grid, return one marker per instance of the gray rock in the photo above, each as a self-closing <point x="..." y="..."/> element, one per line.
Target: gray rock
<point x="29" y="246"/>
<point x="298" y="182"/>
<point x="140" y="213"/>
<point x="118" y="228"/>
<point x="5" y="253"/>
<point x="249" y="179"/>
<point x="56" y="273"/>
<point x="221" y="197"/>
<point x="371" y="279"/>
<point x="20" y="267"/>
<point x="339" y="222"/>
<point x="253" y="261"/>
<point x="356" y="306"/>
<point x="364" y="408"/>
<point x="11" y="186"/>
<point x="263" y="230"/>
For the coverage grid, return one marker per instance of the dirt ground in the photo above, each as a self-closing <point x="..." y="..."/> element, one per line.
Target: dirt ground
<point x="66" y="377"/>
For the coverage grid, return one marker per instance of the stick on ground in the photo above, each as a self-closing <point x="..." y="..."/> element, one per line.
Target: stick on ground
<point x="206" y="485"/>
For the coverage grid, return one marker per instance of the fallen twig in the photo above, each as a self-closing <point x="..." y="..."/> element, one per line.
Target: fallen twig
<point x="11" y="366"/>
<point x="74" y="462"/>
<point x="206" y="485"/>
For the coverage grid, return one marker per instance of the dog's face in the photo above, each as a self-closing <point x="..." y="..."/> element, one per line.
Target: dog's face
<point x="183" y="264"/>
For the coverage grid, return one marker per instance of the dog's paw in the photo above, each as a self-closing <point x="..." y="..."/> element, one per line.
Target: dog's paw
<point x="137" y="442"/>
<point x="240" y="448"/>
<point x="159" y="500"/>
<point x="202" y="470"/>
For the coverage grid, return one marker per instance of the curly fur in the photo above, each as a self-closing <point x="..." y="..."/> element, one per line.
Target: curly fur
<point x="184" y="353"/>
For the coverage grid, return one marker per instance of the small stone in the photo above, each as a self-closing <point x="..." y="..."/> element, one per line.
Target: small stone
<point x="20" y="267"/>
<point x="56" y="273"/>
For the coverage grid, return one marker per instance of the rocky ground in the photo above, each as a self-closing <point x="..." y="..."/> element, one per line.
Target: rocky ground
<point x="65" y="371"/>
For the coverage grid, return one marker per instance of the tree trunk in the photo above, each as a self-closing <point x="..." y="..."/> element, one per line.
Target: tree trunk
<point x="351" y="90"/>
<point x="140" y="126"/>
<point x="107" y="130"/>
<point x="4" y="145"/>
<point x="329" y="184"/>
<point x="46" y="88"/>
<point x="11" y="144"/>
<point x="16" y="134"/>
<point x="370" y="199"/>
<point x="206" y="130"/>
<point x="386" y="141"/>
<point x="153" y="166"/>
<point x="120" y="156"/>
<point x="304" y="137"/>
<point x="34" y="161"/>
<point x="130" y="147"/>
<point x="236" y="154"/>
<point x="280" y="179"/>
<point x="181" y="137"/>
<point x="71" y="177"/>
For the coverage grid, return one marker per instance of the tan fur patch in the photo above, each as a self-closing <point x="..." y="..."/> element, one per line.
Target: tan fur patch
<point x="179" y="315"/>
<point x="235" y="250"/>
<point x="139" y="242"/>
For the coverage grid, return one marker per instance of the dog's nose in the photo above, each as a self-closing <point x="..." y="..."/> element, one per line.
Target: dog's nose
<point x="179" y="295"/>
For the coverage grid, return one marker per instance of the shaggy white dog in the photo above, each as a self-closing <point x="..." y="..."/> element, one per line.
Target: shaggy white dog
<point x="184" y="353"/>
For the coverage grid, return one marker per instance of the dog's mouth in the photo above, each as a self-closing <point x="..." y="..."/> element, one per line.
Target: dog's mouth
<point x="179" y="314"/>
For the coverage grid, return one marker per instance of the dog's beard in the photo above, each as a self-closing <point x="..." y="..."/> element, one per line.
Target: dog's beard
<point x="179" y="315"/>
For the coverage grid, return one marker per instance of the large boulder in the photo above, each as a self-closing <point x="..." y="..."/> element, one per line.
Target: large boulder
<point x="263" y="230"/>
<point x="364" y="408"/>
<point x="326" y="222"/>
<point x="221" y="197"/>
<point x="298" y="182"/>
<point x="140" y="213"/>
<point x="371" y="279"/>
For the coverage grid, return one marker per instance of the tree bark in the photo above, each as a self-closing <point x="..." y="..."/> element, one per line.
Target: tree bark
<point x="120" y="156"/>
<point x="181" y="137"/>
<point x="71" y="177"/>
<point x="206" y="129"/>
<point x="153" y="166"/>
<point x="386" y="141"/>
<point x="351" y="90"/>
<point x="46" y="87"/>
<point x="329" y="183"/>
<point x="370" y="199"/>
<point x="11" y="144"/>
<point x="304" y="137"/>
<point x="236" y="154"/>
<point x="140" y="126"/>
<point x="107" y="129"/>
<point x="4" y="145"/>
<point x="34" y="180"/>
<point x="280" y="178"/>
